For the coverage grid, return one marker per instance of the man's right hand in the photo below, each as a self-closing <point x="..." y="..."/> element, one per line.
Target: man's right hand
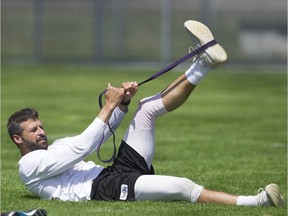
<point x="113" y="98"/>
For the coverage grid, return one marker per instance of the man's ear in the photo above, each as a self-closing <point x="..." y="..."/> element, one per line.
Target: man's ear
<point x="17" y="139"/>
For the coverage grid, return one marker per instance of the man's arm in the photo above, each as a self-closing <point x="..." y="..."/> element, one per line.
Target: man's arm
<point x="66" y="152"/>
<point x="130" y="90"/>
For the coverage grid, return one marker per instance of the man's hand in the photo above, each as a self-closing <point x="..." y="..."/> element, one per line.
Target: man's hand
<point x="130" y="89"/>
<point x="113" y="98"/>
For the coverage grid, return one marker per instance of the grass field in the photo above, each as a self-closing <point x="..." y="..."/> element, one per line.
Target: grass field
<point x="230" y="135"/>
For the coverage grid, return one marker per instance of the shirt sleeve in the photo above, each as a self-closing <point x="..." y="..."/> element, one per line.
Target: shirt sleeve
<point x="114" y="122"/>
<point x="62" y="154"/>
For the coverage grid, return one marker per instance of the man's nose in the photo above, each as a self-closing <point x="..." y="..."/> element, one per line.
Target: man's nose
<point x="41" y="131"/>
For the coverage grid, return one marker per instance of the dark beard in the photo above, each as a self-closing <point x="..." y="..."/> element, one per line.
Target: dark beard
<point x="34" y="145"/>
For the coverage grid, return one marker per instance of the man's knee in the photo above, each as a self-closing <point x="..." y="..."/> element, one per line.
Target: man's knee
<point x="190" y="189"/>
<point x="152" y="106"/>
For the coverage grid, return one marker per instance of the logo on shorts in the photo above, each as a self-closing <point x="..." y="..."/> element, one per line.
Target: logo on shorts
<point x="124" y="192"/>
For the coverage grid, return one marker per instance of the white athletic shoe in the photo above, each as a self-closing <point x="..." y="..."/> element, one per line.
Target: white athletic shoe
<point x="270" y="196"/>
<point x="201" y="35"/>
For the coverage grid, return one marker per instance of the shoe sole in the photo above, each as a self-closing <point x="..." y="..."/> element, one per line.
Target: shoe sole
<point x="203" y="35"/>
<point x="273" y="195"/>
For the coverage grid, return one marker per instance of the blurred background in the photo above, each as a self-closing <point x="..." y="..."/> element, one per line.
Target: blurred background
<point x="254" y="32"/>
<point x="58" y="56"/>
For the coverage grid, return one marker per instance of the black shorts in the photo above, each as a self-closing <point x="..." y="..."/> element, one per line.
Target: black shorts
<point x="117" y="182"/>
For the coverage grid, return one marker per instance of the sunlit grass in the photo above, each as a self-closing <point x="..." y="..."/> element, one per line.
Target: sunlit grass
<point x="229" y="136"/>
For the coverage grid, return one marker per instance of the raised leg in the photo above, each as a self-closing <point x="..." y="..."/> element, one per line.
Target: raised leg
<point x="177" y="93"/>
<point x="140" y="134"/>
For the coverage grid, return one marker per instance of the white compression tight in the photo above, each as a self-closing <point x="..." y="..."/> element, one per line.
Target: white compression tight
<point x="140" y="136"/>
<point x="166" y="188"/>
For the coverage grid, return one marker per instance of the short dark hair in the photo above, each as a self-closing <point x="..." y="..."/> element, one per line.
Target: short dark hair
<point x="18" y="117"/>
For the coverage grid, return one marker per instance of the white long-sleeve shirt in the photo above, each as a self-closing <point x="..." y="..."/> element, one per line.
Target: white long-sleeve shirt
<point x="60" y="172"/>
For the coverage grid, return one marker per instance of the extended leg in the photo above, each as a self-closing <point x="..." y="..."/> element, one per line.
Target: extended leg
<point x="169" y="188"/>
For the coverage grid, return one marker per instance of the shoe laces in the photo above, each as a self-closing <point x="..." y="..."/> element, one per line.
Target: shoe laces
<point x="262" y="199"/>
<point x="198" y="56"/>
<point x="203" y="57"/>
<point x="191" y="49"/>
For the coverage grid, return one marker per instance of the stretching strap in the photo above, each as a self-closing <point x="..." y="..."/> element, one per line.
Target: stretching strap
<point x="154" y="76"/>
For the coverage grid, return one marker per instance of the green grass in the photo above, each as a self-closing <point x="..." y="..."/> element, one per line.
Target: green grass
<point x="229" y="136"/>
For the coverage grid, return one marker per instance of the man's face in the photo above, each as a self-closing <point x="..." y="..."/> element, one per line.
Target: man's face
<point x="33" y="135"/>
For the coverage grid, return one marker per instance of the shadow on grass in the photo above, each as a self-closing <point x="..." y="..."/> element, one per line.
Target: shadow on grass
<point x="30" y="196"/>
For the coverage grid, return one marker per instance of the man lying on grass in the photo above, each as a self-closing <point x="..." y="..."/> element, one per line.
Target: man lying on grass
<point x="57" y="171"/>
